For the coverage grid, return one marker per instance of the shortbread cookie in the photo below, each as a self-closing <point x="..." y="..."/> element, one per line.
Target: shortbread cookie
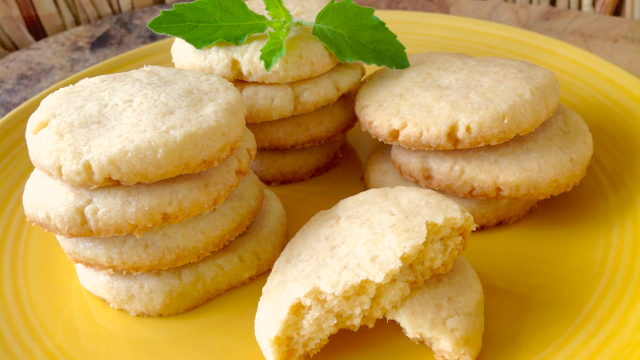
<point x="276" y="167"/>
<point x="351" y="264"/>
<point x="176" y="290"/>
<point x="547" y="162"/>
<point x="453" y="101"/>
<point x="446" y="313"/>
<point x="304" y="130"/>
<point x="173" y="244"/>
<point x="306" y="56"/>
<point x="72" y="211"/>
<point x="267" y="102"/>
<point x="379" y="172"/>
<point x="140" y="126"/>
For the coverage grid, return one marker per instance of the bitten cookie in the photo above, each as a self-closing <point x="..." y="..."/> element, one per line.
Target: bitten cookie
<point x="276" y="167"/>
<point x="351" y="264"/>
<point x="546" y="162"/>
<point x="379" y="172"/>
<point x="306" y="57"/>
<point x="144" y="125"/>
<point x="454" y="101"/>
<point x="176" y="290"/>
<point x="267" y="102"/>
<point x="304" y="130"/>
<point x="173" y="244"/>
<point x="446" y="313"/>
<point x="72" y="211"/>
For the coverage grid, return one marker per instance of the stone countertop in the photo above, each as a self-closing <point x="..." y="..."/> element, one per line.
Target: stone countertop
<point x="27" y="72"/>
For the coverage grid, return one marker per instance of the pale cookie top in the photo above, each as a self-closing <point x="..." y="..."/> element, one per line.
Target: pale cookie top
<point x="446" y="313"/>
<point x="144" y="125"/>
<point x="453" y="101"/>
<point x="546" y="162"/>
<point x="348" y="265"/>
<point x="305" y="57"/>
<point x="266" y="102"/>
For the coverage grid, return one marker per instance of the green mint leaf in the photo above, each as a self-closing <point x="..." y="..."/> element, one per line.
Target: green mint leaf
<point x="281" y="23"/>
<point x="206" y="22"/>
<point x="276" y="10"/>
<point x="353" y="33"/>
<point x="274" y="49"/>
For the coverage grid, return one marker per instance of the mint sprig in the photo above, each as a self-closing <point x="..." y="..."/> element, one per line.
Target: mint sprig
<point x="281" y="22"/>
<point x="351" y="32"/>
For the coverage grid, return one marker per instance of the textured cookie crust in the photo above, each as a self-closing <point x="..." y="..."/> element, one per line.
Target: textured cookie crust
<point x="176" y="290"/>
<point x="446" y="313"/>
<point x="267" y="102"/>
<point x="453" y="101"/>
<point x="173" y="244"/>
<point x="144" y="125"/>
<point x="72" y="211"/>
<point x="351" y="264"/>
<point x="546" y="162"/>
<point x="379" y="172"/>
<point x="306" y="57"/>
<point x="275" y="167"/>
<point x="304" y="130"/>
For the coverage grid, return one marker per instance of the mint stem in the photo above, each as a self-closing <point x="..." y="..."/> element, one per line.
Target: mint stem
<point x="304" y="23"/>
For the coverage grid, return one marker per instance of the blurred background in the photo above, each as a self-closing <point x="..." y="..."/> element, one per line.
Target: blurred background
<point x="23" y="22"/>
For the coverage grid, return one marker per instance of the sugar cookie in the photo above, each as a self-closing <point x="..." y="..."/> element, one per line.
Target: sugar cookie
<point x="454" y="101"/>
<point x="140" y="126"/>
<point x="546" y="162"/>
<point x="446" y="313"/>
<point x="276" y="167"/>
<point x="306" y="56"/>
<point x="351" y="264"/>
<point x="304" y="130"/>
<point x="267" y="102"/>
<point x="379" y="172"/>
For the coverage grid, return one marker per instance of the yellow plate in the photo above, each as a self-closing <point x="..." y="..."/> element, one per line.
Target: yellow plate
<point x="561" y="284"/>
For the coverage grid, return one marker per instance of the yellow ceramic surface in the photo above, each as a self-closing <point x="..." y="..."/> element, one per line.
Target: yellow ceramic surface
<point x="561" y="284"/>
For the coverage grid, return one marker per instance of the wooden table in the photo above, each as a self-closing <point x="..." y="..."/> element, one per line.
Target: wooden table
<point x="27" y="72"/>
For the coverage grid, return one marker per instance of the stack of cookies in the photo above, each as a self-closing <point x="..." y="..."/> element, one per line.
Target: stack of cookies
<point x="488" y="132"/>
<point x="300" y="110"/>
<point x="145" y="181"/>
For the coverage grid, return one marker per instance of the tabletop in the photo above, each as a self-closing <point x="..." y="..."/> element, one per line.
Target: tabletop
<point x="31" y="70"/>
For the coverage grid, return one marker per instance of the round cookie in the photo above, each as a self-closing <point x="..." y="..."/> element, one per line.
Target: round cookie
<point x="267" y="102"/>
<point x="173" y="244"/>
<point x="546" y="162"/>
<point x="453" y="101"/>
<point x="144" y="125"/>
<point x="304" y="130"/>
<point x="276" y="167"/>
<point x="176" y="290"/>
<point x="446" y="313"/>
<point x="306" y="56"/>
<point x="379" y="172"/>
<point x="72" y="211"/>
<point x="351" y="264"/>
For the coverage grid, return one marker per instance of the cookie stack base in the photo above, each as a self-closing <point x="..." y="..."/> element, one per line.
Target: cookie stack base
<point x="380" y="172"/>
<point x="176" y="290"/>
